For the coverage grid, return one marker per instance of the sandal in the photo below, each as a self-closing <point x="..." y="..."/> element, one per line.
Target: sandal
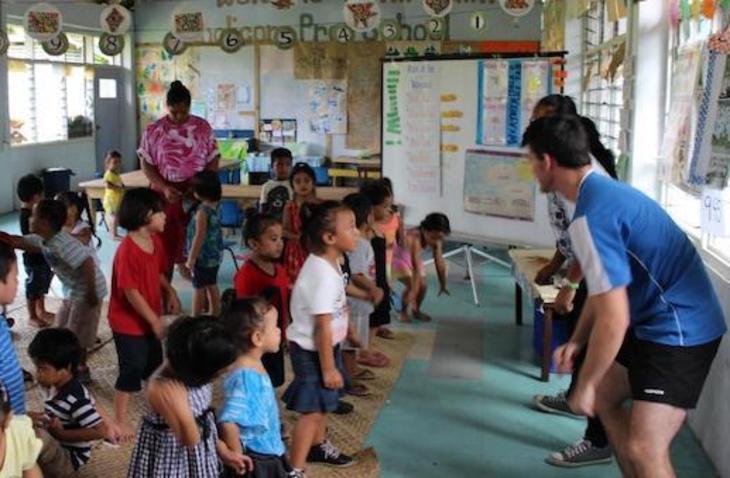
<point x="385" y="333"/>
<point x="375" y="359"/>
<point x="364" y="374"/>
<point x="358" y="390"/>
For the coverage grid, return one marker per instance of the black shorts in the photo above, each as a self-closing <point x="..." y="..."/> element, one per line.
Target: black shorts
<point x="38" y="280"/>
<point x="666" y="374"/>
<point x="205" y="277"/>
<point x="139" y="356"/>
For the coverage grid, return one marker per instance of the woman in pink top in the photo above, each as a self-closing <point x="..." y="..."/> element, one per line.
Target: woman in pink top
<point x="173" y="150"/>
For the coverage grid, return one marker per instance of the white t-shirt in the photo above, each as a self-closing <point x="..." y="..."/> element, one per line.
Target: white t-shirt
<point x="274" y="196"/>
<point x="362" y="261"/>
<point x="319" y="290"/>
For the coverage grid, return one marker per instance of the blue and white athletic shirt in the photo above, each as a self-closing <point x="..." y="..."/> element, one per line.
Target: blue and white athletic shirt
<point x="623" y="238"/>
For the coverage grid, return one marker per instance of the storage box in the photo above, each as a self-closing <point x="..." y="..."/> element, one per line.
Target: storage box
<point x="561" y="334"/>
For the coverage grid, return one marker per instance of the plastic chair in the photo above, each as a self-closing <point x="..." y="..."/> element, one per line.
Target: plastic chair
<point x="228" y="246"/>
<point x="231" y="217"/>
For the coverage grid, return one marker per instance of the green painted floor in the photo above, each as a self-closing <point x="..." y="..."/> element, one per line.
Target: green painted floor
<point x="480" y="425"/>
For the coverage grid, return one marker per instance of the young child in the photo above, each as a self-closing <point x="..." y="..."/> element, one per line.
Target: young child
<point x="113" y="191"/>
<point x="70" y="422"/>
<point x="178" y="435"/>
<point x="11" y="375"/>
<point x="249" y="416"/>
<point x="74" y="264"/>
<point x="205" y="243"/>
<point x="139" y="289"/>
<point x="38" y="272"/>
<point x="408" y="263"/>
<point x="303" y="182"/>
<point x="319" y="325"/>
<point x="262" y="275"/>
<point x="76" y="226"/>
<point x="277" y="192"/>
<point x="19" y="446"/>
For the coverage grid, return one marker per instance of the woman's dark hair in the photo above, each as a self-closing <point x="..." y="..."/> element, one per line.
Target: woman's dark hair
<point x="317" y="220"/>
<point x="81" y="203"/>
<point x="28" y="186"/>
<point x="436" y="221"/>
<point x="302" y="168"/>
<point x="58" y="348"/>
<point x="136" y="207"/>
<point x="198" y="348"/>
<point x="558" y="105"/>
<point x="242" y="317"/>
<point x="53" y="212"/>
<point x="377" y="191"/>
<point x="207" y="185"/>
<point x="561" y="137"/>
<point x="256" y="225"/>
<point x="7" y="259"/>
<point x="602" y="154"/>
<point x="178" y="94"/>
<point x="360" y="205"/>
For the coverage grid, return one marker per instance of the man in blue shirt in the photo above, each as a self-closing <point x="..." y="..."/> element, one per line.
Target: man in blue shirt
<point x="652" y="323"/>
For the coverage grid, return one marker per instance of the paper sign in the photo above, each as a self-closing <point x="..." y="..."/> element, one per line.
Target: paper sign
<point x="713" y="211"/>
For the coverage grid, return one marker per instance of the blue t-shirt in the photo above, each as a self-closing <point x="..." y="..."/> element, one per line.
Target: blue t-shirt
<point x="11" y="375"/>
<point x="250" y="402"/>
<point x="623" y="238"/>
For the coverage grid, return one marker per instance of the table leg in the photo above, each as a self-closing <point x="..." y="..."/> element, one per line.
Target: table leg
<point x="518" y="304"/>
<point x="92" y="209"/>
<point x="547" y="341"/>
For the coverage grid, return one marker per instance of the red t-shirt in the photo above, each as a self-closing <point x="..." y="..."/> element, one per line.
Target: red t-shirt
<point x="135" y="269"/>
<point x="251" y="280"/>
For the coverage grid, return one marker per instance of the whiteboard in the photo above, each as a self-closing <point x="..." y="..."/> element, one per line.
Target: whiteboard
<point x="457" y="86"/>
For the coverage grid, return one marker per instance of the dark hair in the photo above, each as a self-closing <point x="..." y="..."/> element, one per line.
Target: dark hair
<point x="360" y="205"/>
<point x="207" y="185"/>
<point x="113" y="153"/>
<point x="317" y="220"/>
<point x="256" y="225"/>
<point x="28" y="186"/>
<point x="602" y="154"/>
<point x="59" y="348"/>
<point x="436" y="221"/>
<point x="53" y="212"/>
<point x="178" y="94"/>
<point x="561" y="137"/>
<point x="136" y="207"/>
<point x="280" y="153"/>
<point x="558" y="104"/>
<point x="7" y="259"/>
<point x="81" y="203"/>
<point x="377" y="191"/>
<point x="242" y="317"/>
<point x="4" y="401"/>
<point x="302" y="168"/>
<point x="198" y="348"/>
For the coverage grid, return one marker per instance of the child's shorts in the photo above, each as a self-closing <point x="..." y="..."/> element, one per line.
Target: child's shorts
<point x="205" y="276"/>
<point x="362" y="329"/>
<point x="139" y="356"/>
<point x="38" y="280"/>
<point x="80" y="319"/>
<point x="264" y="466"/>
<point x="307" y="393"/>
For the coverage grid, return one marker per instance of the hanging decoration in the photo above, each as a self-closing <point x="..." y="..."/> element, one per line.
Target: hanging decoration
<point x="231" y="40"/>
<point x="285" y="37"/>
<point x="725" y="4"/>
<point x="43" y="22"/>
<point x="56" y="46"/>
<point x="684" y="10"/>
<point x="696" y="9"/>
<point x="342" y="33"/>
<point x="435" y="28"/>
<point x="111" y="45"/>
<point x="390" y="30"/>
<point x="674" y="14"/>
<point x="188" y="22"/>
<point x="720" y="42"/>
<point x="438" y="8"/>
<point x="708" y="9"/>
<point x="478" y="21"/>
<point x="115" y="20"/>
<point x="361" y="15"/>
<point x="4" y="42"/>
<point x="283" y="4"/>
<point x="173" y="45"/>
<point x="517" y="8"/>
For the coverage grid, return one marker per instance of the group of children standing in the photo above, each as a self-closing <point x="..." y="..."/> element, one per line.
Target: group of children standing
<point x="316" y="284"/>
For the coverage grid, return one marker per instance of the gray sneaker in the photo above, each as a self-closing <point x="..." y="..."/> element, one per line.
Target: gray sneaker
<point x="554" y="404"/>
<point x="296" y="474"/>
<point x="581" y="453"/>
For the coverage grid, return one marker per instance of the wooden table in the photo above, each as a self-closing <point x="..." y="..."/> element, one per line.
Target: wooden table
<point x="525" y="265"/>
<point x="136" y="179"/>
<point x="363" y="168"/>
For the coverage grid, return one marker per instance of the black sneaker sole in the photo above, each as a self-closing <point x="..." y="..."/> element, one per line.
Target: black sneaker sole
<point x="332" y="465"/>
<point x="571" y="464"/>
<point x="555" y="411"/>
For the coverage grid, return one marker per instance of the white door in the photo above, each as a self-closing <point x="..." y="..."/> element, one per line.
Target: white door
<point x="108" y="103"/>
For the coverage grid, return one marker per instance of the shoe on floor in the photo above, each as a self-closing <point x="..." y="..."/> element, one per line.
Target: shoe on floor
<point x="344" y="408"/>
<point x="327" y="454"/>
<point x="557" y="404"/>
<point x="581" y="453"/>
<point x="296" y="474"/>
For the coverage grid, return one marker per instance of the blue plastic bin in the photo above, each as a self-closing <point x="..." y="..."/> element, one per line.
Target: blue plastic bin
<point x="561" y="334"/>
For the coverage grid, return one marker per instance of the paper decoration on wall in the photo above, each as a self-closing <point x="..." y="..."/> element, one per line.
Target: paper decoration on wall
<point x="111" y="45"/>
<point x="4" y="42"/>
<point x="342" y="33"/>
<point x="231" y="40"/>
<point x="393" y="124"/>
<point x="56" y="46"/>
<point x="320" y="61"/>
<point x="285" y="37"/>
<point x="708" y="8"/>
<point x="188" y="22"/>
<point x="390" y="30"/>
<point x="436" y="28"/>
<point x="714" y="206"/>
<point x="328" y="107"/>
<point x="576" y="8"/>
<point x="43" y="22"/>
<point x="451" y="122"/>
<point x="364" y="82"/>
<point x="696" y="9"/>
<point x="438" y="8"/>
<point x="517" y="8"/>
<point x="500" y="184"/>
<point x="553" y="32"/>
<point x="674" y="14"/>
<point x="283" y="4"/>
<point x="412" y="49"/>
<point x="173" y="45"/>
<point x="478" y="21"/>
<point x="684" y="10"/>
<point x="115" y="20"/>
<point x="361" y="15"/>
<point x="616" y="10"/>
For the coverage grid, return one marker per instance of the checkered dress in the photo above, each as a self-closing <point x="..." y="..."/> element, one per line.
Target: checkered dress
<point x="158" y="453"/>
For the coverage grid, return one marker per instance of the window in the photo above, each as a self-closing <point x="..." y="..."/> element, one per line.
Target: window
<point x="107" y="88"/>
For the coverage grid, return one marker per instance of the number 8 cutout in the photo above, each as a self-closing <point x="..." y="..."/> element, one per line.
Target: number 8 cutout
<point x="111" y="45"/>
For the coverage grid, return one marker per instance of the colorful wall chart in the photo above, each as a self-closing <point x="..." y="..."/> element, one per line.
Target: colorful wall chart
<point x="499" y="183"/>
<point x="328" y="107"/>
